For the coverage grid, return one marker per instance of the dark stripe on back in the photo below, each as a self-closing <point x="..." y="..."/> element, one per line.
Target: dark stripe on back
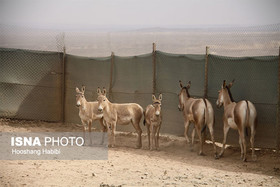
<point x="186" y="91"/>
<point x="229" y="93"/>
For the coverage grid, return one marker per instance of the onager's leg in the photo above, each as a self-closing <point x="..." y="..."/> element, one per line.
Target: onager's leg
<point x="148" y="133"/>
<point x="89" y="131"/>
<point x="198" y="130"/>
<point x="157" y="137"/>
<point x="103" y="128"/>
<point x="139" y="132"/>
<point x="187" y="123"/>
<point x="211" y="129"/>
<point x="226" y="129"/>
<point x="241" y="147"/>
<point x="252" y="139"/>
<point x="193" y="136"/>
<point x="84" y="131"/>
<point x="244" y="144"/>
<point x="153" y="137"/>
<point x="113" y="126"/>
<point x="103" y="125"/>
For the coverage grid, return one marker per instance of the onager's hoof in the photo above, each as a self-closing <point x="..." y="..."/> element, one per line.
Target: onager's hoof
<point x="138" y="146"/>
<point x="201" y="154"/>
<point x="216" y="156"/>
<point x="220" y="155"/>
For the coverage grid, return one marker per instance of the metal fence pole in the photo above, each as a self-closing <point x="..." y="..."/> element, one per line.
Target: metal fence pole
<point x="278" y="108"/>
<point x="63" y="85"/>
<point x="206" y="73"/>
<point x="154" y="68"/>
<point x="111" y="75"/>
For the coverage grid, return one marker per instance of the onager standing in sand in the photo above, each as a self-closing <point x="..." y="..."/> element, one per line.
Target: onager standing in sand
<point x="197" y="111"/>
<point x="120" y="114"/>
<point x="238" y="116"/>
<point x="88" y="112"/>
<point x="153" y="119"/>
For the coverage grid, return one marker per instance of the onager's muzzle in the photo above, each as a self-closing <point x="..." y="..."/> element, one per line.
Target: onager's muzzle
<point x="157" y="113"/>
<point x="78" y="104"/>
<point x="180" y="108"/>
<point x="219" y="104"/>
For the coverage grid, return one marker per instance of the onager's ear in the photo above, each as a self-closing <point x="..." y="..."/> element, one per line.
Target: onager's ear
<point x="104" y="91"/>
<point x="180" y="83"/>
<point x="189" y="85"/>
<point x="230" y="84"/>
<point x="98" y="91"/>
<point x="154" y="97"/>
<point x="224" y="84"/>
<point x="83" y="89"/>
<point x="77" y="90"/>
<point x="160" y="97"/>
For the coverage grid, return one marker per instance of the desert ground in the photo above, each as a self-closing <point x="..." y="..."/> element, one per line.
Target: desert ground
<point x="173" y="165"/>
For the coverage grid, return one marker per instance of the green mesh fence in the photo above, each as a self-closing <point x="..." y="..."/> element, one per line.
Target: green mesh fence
<point x="30" y="84"/>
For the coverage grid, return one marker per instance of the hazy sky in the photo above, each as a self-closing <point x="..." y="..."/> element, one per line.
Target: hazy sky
<point x="151" y="13"/>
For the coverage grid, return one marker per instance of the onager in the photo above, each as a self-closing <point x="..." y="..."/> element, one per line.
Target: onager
<point x="88" y="112"/>
<point x="153" y="119"/>
<point x="197" y="111"/>
<point x="120" y="114"/>
<point x="238" y="116"/>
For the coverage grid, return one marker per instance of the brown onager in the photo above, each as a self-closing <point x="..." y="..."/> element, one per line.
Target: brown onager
<point x="238" y="116"/>
<point x="120" y="114"/>
<point x="88" y="112"/>
<point x="197" y="111"/>
<point x="153" y="119"/>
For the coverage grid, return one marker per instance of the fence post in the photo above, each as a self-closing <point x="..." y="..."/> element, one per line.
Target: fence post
<point x="154" y="68"/>
<point x="206" y="73"/>
<point x="111" y="75"/>
<point x="63" y="85"/>
<point x="278" y="108"/>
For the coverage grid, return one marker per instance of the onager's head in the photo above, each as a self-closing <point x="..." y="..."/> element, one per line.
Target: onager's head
<point x="102" y="99"/>
<point x="224" y="92"/>
<point x="157" y="104"/>
<point x="80" y="96"/>
<point x="183" y="95"/>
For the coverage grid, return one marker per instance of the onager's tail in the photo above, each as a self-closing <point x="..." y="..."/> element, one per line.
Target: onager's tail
<point x="144" y="121"/>
<point x="205" y="116"/>
<point x="247" y="118"/>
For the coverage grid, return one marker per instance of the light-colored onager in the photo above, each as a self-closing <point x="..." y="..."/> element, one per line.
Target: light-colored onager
<point x="238" y="116"/>
<point x="120" y="114"/>
<point x="88" y="112"/>
<point x="198" y="111"/>
<point x="153" y="119"/>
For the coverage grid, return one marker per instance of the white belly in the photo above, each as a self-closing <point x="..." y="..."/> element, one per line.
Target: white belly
<point x="231" y="123"/>
<point x="124" y="120"/>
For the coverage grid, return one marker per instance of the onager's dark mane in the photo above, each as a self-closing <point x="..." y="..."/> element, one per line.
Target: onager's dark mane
<point x="229" y="93"/>
<point x="186" y="91"/>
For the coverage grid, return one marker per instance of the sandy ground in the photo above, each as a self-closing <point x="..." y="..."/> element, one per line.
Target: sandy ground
<point x="173" y="165"/>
